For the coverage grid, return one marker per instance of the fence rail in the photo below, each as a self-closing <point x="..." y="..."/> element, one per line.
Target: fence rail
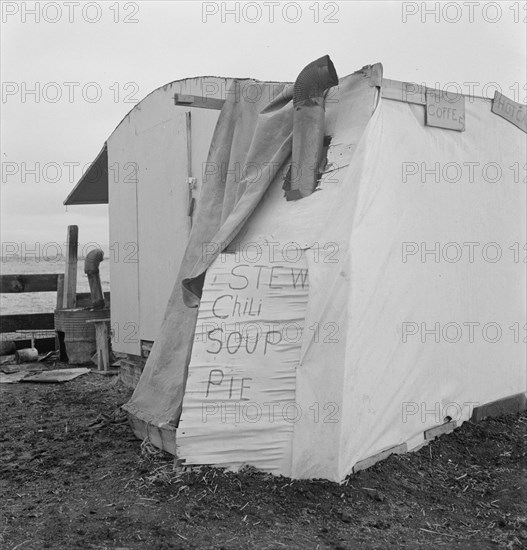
<point x="45" y="282"/>
<point x="27" y="321"/>
<point x="65" y="286"/>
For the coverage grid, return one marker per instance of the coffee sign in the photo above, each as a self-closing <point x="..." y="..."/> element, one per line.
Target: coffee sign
<point x="445" y="110"/>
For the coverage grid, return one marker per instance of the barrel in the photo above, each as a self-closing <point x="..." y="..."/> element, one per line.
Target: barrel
<point x="79" y="336"/>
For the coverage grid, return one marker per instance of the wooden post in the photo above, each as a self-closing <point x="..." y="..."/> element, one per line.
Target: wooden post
<point x="102" y="342"/>
<point x="60" y="290"/>
<point x="70" y="275"/>
<point x="101" y="337"/>
<point x="60" y="303"/>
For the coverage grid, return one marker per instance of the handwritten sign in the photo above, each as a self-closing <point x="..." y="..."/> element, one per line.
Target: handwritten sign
<point x="445" y="110"/>
<point x="239" y="402"/>
<point x="510" y="110"/>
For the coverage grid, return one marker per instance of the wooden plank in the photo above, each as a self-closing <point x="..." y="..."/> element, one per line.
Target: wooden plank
<point x="445" y="110"/>
<point x="188" y="127"/>
<point x="27" y="321"/>
<point x="515" y="113"/>
<point x="101" y="339"/>
<point x="440" y="430"/>
<point x="198" y="101"/>
<point x="56" y="376"/>
<point x="146" y="347"/>
<point x="403" y="91"/>
<point x="70" y="276"/>
<point x="46" y="282"/>
<point x="508" y="405"/>
<point x="129" y="375"/>
<point x="190" y="180"/>
<point x="163" y="438"/>
<point x="60" y="291"/>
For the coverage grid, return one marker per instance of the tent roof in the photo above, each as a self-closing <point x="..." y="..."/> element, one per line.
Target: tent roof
<point x="92" y="188"/>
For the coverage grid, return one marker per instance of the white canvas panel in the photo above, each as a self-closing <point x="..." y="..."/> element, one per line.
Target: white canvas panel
<point x="239" y="404"/>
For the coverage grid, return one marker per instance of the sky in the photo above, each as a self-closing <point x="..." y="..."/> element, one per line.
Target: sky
<point x="71" y="71"/>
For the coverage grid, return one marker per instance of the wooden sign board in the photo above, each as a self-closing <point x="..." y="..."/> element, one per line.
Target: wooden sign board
<point x="239" y="402"/>
<point x="515" y="113"/>
<point x="445" y="110"/>
<point x="403" y="91"/>
<point x="198" y="101"/>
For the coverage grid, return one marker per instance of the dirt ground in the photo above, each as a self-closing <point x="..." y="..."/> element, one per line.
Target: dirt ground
<point x="73" y="476"/>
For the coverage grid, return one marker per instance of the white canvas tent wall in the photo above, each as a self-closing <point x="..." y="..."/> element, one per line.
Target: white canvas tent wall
<point x="383" y="378"/>
<point x="142" y="172"/>
<point x="386" y="380"/>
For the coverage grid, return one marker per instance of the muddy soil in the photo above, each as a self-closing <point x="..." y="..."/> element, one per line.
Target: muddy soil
<point x="73" y="476"/>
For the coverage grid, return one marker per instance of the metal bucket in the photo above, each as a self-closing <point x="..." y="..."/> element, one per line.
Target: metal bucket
<point x="79" y="336"/>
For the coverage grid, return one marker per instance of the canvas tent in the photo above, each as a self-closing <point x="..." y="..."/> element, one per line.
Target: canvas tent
<point x="311" y="337"/>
